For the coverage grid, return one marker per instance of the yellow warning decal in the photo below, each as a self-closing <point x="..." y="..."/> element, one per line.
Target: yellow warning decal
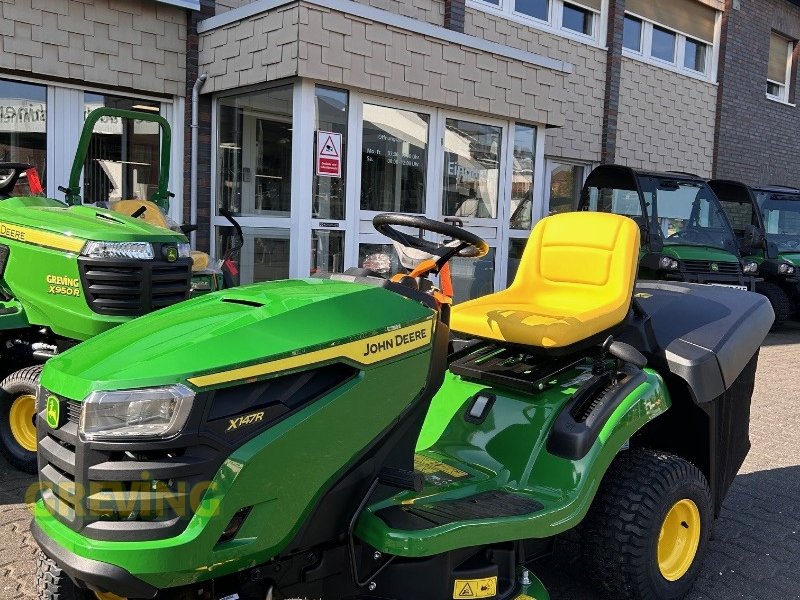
<point x="41" y="238"/>
<point x="643" y="295"/>
<point x="475" y="588"/>
<point x="429" y="466"/>
<point x="365" y="351"/>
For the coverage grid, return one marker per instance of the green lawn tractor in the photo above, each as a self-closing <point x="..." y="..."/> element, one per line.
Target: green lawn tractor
<point x="327" y="438"/>
<point x="124" y="180"/>
<point x="67" y="273"/>
<point x="766" y="221"/>
<point x="686" y="234"/>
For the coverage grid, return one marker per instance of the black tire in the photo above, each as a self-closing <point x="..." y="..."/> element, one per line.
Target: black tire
<point x="621" y="530"/>
<point x="22" y="382"/>
<point x="52" y="583"/>
<point x="781" y="304"/>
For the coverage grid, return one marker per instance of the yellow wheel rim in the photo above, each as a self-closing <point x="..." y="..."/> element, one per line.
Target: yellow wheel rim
<point x="679" y="539"/>
<point x="107" y="596"/>
<point x="23" y="410"/>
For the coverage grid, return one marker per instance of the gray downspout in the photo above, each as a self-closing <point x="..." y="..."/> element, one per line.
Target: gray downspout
<point x="193" y="172"/>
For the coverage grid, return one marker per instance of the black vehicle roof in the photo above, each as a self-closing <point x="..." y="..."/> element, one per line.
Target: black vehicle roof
<point x="776" y="189"/>
<point x="674" y="175"/>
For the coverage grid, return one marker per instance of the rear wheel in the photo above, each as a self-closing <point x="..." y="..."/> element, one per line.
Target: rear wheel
<point x="648" y="528"/>
<point x="18" y="418"/>
<point x="781" y="304"/>
<point x="52" y="583"/>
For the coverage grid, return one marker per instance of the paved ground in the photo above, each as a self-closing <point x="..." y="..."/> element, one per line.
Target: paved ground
<point x="756" y="553"/>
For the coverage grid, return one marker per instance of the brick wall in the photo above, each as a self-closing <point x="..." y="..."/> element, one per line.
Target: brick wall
<point x="581" y="134"/>
<point x="666" y="120"/>
<point x="133" y="44"/>
<point x="318" y="43"/>
<point x="757" y="137"/>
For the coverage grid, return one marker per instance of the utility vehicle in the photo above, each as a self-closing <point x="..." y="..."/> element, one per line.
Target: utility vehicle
<point x="326" y="438"/>
<point x="686" y="235"/>
<point x="766" y="221"/>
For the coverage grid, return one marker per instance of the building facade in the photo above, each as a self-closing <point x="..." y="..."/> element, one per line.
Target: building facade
<point x="316" y="115"/>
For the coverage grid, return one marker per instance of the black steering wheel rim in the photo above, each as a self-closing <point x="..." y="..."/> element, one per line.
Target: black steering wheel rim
<point x="474" y="246"/>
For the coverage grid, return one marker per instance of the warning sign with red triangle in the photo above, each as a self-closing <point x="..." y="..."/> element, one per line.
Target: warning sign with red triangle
<point x="329" y="154"/>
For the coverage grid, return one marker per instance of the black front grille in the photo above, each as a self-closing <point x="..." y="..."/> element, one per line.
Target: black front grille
<point x="73" y="410"/>
<point x="127" y="287"/>
<point x="706" y="267"/>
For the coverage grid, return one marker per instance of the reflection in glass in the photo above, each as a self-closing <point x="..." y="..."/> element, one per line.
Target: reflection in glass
<point x="329" y="192"/>
<point x="327" y="251"/>
<point x="472" y="277"/>
<point x="471" y="169"/>
<point x="264" y="256"/>
<point x="254" y="153"/>
<point x="694" y="57"/>
<point x="123" y="161"/>
<point x="577" y="19"/>
<point x="565" y="187"/>
<point x="381" y="258"/>
<point x="394" y="157"/>
<point x="522" y="177"/>
<point x="23" y="125"/>
<point x="632" y="34"/>
<point x="516" y="246"/>
<point x="533" y="8"/>
<point x="663" y="44"/>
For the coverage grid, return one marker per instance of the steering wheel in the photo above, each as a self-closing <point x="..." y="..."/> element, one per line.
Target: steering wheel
<point x="470" y="246"/>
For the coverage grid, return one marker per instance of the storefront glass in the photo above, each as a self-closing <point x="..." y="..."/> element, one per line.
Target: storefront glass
<point x="472" y="277"/>
<point x="264" y="256"/>
<point x="394" y="158"/>
<point x="254" y="153"/>
<point x="380" y="258"/>
<point x="471" y="169"/>
<point x="327" y="251"/>
<point x="566" y="181"/>
<point x="23" y="124"/>
<point x="522" y="177"/>
<point x="516" y="247"/>
<point x="329" y="192"/>
<point x="123" y="159"/>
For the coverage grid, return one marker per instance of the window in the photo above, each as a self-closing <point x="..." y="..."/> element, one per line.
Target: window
<point x="579" y="17"/>
<point x="632" y="34"/>
<point x="394" y="153"/>
<point x="329" y="192"/>
<point x="23" y="124"/>
<point x="123" y="160"/>
<point x="679" y="33"/>
<point x="522" y="177"/>
<point x="779" y="68"/>
<point x="566" y="181"/>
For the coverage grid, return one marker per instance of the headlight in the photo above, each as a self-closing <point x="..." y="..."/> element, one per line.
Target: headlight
<point x="750" y="267"/>
<point x="154" y="412"/>
<point x="785" y="269"/>
<point x="184" y="250"/>
<point x="668" y="263"/>
<point x="139" y="250"/>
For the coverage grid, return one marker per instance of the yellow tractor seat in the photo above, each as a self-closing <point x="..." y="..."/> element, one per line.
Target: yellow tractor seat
<point x="152" y="213"/>
<point x="574" y="283"/>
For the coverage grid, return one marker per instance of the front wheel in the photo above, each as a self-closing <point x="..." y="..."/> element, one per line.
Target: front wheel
<point x="781" y="304"/>
<point x="648" y="528"/>
<point x="18" y="418"/>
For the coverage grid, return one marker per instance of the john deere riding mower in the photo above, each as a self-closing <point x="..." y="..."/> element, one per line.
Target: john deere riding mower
<point x="686" y="234"/>
<point x="123" y="184"/>
<point x="766" y="221"/>
<point x="67" y="273"/>
<point x="326" y="438"/>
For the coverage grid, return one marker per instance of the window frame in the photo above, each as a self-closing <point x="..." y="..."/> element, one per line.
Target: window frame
<point x="785" y="85"/>
<point x="646" y="46"/>
<point x="555" y="18"/>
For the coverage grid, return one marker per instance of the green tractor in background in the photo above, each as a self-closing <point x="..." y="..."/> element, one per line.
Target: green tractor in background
<point x="766" y="220"/>
<point x="328" y="438"/>
<point x="71" y="270"/>
<point x="686" y="234"/>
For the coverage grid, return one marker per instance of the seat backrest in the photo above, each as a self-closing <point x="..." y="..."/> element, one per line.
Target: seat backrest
<point x="580" y="261"/>
<point x="152" y="213"/>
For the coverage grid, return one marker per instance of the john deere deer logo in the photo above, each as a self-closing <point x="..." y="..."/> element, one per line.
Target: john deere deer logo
<point x="714" y="267"/>
<point x="53" y="412"/>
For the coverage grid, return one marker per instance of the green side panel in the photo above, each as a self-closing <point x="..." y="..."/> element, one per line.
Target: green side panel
<point x="12" y="320"/>
<point x="687" y="252"/>
<point x="281" y="473"/>
<point x="228" y="329"/>
<point x="508" y="452"/>
<point x="31" y="277"/>
<point x="84" y="222"/>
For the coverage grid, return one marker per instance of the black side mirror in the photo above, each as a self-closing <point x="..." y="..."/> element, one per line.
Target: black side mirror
<point x="753" y="238"/>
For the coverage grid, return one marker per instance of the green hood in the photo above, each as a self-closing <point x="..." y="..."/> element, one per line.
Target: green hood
<point x="84" y="222"/>
<point x="791" y="257"/>
<point x="228" y="329"/>
<point x="688" y="252"/>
